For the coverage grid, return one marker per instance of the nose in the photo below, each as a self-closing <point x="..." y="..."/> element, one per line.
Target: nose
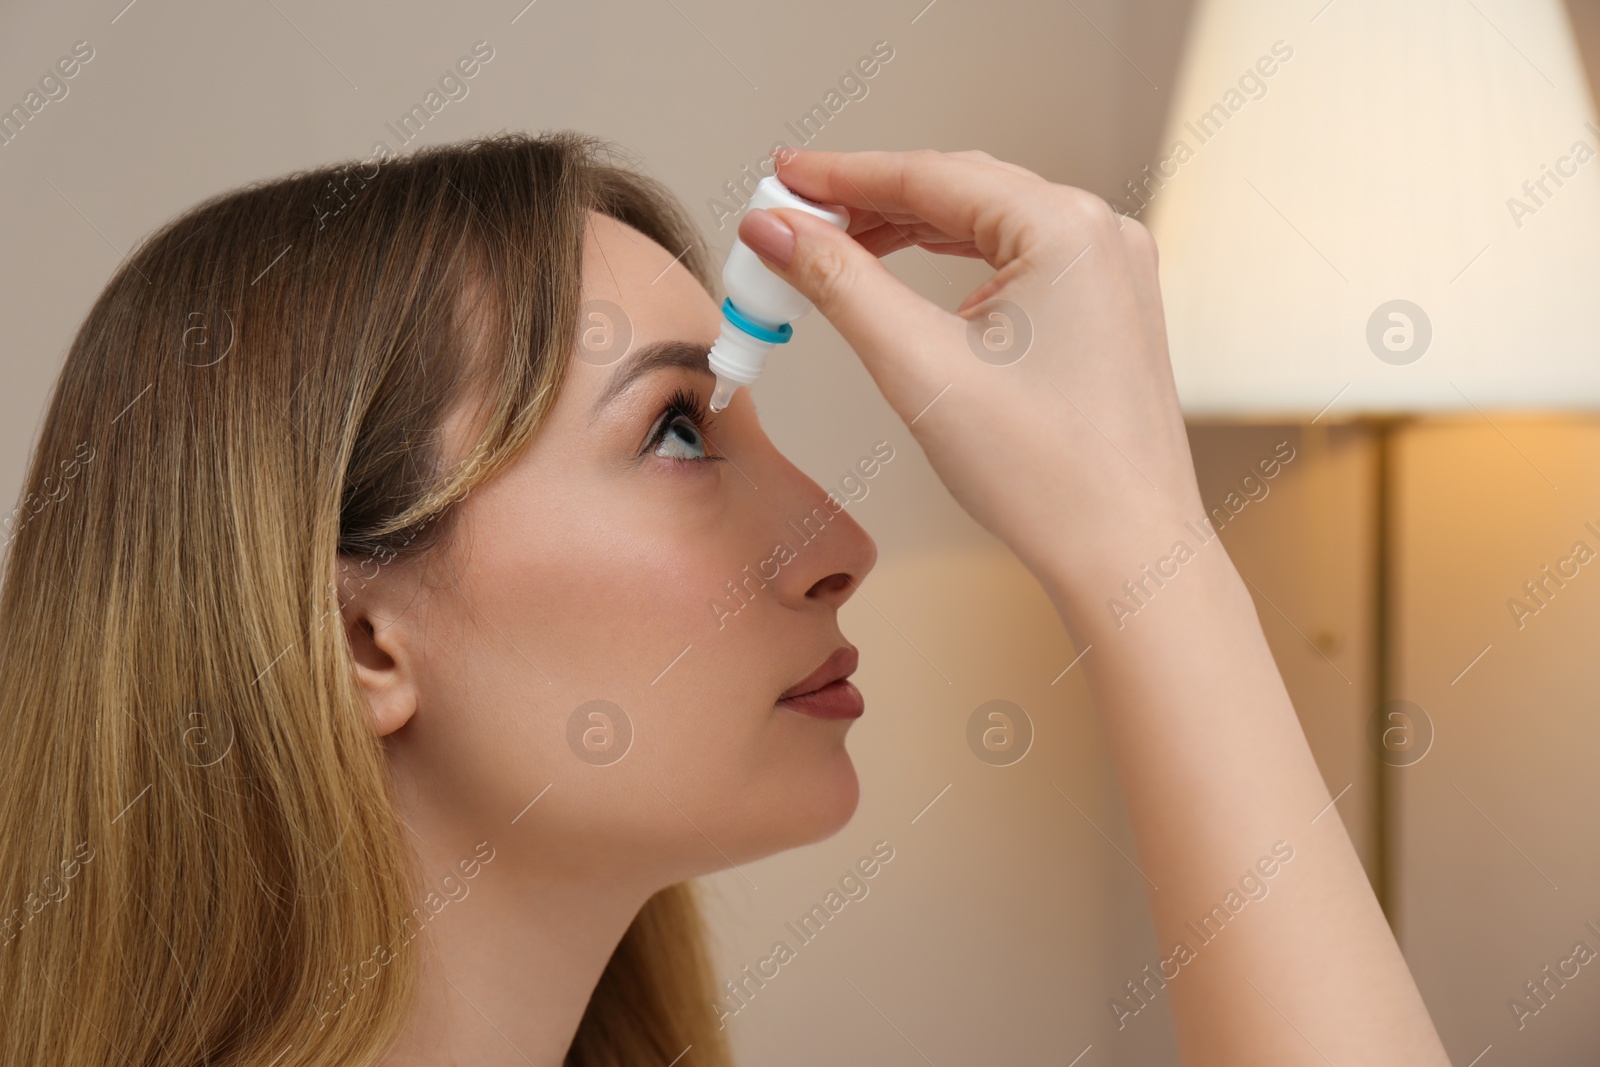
<point x="831" y="552"/>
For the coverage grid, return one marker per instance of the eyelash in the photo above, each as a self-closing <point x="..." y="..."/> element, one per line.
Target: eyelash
<point x="686" y="404"/>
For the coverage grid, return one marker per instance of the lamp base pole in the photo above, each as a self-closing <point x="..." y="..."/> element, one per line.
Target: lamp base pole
<point x="1384" y="433"/>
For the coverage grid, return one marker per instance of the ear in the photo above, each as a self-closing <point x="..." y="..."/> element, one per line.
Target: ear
<point x="380" y="620"/>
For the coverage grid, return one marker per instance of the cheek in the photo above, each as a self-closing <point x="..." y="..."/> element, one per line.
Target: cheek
<point x="615" y="600"/>
<point x="546" y="617"/>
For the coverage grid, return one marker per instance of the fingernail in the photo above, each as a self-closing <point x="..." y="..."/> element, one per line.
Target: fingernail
<point x="767" y="236"/>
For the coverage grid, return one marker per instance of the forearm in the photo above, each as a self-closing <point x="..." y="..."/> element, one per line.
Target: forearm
<point x="1299" y="966"/>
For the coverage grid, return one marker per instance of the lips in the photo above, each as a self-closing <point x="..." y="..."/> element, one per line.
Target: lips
<point x="841" y="664"/>
<point x="826" y="693"/>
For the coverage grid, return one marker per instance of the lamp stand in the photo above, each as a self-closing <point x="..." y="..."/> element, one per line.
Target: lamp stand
<point x="1384" y="431"/>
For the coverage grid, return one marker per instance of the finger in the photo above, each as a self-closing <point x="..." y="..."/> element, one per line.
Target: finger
<point x="888" y="237"/>
<point x="873" y="310"/>
<point x="952" y="248"/>
<point x="884" y="238"/>
<point x="980" y="154"/>
<point x="968" y="199"/>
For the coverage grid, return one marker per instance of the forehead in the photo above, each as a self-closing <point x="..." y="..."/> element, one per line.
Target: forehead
<point x="656" y="294"/>
<point x="652" y="286"/>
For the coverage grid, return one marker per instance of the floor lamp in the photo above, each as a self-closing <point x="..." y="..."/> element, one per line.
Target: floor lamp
<point x="1379" y="210"/>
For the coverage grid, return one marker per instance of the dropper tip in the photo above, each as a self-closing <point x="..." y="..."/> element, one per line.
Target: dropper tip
<point x="722" y="395"/>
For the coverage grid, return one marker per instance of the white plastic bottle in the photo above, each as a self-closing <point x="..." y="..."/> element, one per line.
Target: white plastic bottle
<point x="760" y="305"/>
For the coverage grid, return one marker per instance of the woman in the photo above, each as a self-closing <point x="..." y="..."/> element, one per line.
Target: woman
<point x="356" y="644"/>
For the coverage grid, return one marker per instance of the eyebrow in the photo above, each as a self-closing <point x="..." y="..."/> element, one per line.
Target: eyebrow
<point x="690" y="355"/>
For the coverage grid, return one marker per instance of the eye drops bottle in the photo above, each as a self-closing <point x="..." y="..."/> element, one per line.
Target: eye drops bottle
<point x="760" y="305"/>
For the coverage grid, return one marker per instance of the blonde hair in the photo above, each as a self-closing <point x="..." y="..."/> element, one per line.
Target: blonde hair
<point x="198" y="839"/>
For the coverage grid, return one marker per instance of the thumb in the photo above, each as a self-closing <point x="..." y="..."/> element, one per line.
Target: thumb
<point x="890" y="326"/>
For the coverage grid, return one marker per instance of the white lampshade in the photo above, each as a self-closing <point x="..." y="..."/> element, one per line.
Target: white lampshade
<point x="1383" y="158"/>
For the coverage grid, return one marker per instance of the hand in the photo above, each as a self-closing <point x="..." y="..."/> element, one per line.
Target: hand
<point x="1075" y="454"/>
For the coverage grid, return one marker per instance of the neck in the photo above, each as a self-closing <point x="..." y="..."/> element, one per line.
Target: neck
<point x="509" y="965"/>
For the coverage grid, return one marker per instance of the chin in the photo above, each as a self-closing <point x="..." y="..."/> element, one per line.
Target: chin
<point x="823" y="803"/>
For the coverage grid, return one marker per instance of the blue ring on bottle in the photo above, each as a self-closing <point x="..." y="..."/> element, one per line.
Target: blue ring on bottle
<point x="754" y="329"/>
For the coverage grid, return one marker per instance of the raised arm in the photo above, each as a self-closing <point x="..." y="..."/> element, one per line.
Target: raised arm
<point x="1274" y="948"/>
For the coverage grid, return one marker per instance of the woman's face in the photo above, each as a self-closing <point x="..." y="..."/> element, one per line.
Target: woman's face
<point x="591" y="570"/>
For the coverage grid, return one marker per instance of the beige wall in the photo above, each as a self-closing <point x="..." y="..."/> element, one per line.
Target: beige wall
<point x="1007" y="917"/>
<point x="1500" y="855"/>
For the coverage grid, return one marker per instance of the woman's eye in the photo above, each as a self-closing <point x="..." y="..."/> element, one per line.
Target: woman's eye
<point x="678" y="434"/>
